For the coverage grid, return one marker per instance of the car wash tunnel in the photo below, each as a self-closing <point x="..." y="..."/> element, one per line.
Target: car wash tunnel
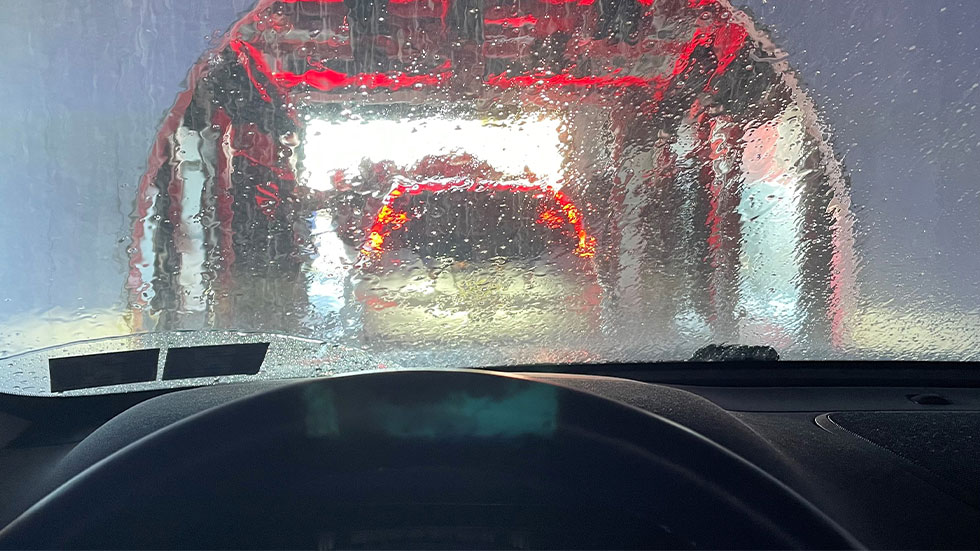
<point x="546" y="173"/>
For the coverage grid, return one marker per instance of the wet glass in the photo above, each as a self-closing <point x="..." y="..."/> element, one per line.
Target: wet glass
<point x="482" y="182"/>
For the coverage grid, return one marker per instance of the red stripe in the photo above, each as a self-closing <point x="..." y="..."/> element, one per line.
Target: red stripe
<point x="513" y="21"/>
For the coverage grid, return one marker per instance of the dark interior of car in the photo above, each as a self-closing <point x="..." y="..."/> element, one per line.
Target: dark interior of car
<point x="673" y="455"/>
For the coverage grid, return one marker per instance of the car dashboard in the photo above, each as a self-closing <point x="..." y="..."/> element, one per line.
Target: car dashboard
<point x="893" y="466"/>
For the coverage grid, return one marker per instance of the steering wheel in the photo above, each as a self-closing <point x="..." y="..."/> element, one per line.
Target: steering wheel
<point x="426" y="459"/>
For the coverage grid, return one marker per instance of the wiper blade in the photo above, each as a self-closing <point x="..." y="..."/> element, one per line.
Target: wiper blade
<point x="735" y="353"/>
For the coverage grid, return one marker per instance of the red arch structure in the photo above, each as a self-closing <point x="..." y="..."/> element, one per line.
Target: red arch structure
<point x="652" y="60"/>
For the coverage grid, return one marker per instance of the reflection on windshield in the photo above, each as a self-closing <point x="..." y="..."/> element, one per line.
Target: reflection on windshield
<point x="516" y="181"/>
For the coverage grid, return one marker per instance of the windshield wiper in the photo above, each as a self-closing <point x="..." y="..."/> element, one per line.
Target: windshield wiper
<point x="735" y="353"/>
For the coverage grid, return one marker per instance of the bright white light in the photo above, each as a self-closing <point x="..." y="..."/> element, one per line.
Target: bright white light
<point x="508" y="147"/>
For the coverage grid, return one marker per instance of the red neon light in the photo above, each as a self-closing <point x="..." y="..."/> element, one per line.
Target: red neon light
<point x="390" y="219"/>
<point x="247" y="59"/>
<point x="327" y="79"/>
<point x="339" y="1"/>
<point x="566" y="80"/>
<point x="553" y="2"/>
<point x="725" y="40"/>
<point x="267" y="198"/>
<point x="565" y="2"/>
<point x="513" y="21"/>
<point x="728" y="40"/>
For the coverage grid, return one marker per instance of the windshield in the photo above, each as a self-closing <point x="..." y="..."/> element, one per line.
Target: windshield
<point x="469" y="183"/>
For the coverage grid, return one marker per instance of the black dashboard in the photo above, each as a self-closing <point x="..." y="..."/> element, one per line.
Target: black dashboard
<point x="894" y="466"/>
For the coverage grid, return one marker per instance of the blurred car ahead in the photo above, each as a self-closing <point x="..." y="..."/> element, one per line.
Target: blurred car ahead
<point x="477" y="261"/>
